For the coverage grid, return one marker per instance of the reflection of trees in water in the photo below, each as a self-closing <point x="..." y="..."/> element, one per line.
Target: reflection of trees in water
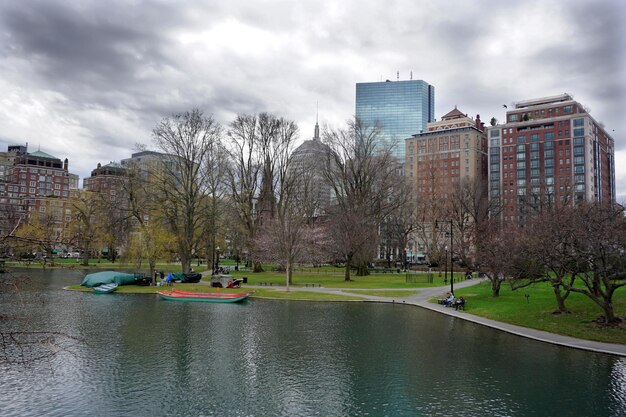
<point x="20" y="344"/>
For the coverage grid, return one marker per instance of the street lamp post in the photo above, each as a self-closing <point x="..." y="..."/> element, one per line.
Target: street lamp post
<point x="445" y="266"/>
<point x="217" y="258"/>
<point x="451" y="256"/>
<point x="451" y="260"/>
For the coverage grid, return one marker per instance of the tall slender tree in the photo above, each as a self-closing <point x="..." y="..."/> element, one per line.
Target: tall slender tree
<point x="363" y="174"/>
<point x="185" y="139"/>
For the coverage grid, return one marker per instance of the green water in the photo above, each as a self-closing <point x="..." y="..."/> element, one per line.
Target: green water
<point x="140" y="356"/>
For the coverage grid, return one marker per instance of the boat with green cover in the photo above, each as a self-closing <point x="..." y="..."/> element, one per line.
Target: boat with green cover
<point x="210" y="297"/>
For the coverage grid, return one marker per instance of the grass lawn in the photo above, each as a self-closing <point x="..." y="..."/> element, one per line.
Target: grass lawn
<point x="333" y="278"/>
<point x="537" y="313"/>
<point x="383" y="293"/>
<point x="303" y="295"/>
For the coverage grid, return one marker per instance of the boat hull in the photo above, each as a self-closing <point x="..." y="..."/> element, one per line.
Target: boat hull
<point x="203" y="297"/>
<point x="105" y="288"/>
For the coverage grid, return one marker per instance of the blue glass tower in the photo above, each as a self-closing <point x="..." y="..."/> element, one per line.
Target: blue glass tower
<point x="402" y="108"/>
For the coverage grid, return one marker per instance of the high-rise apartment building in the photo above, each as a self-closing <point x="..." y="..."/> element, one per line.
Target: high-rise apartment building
<point x="441" y="164"/>
<point x="36" y="183"/>
<point x="549" y="148"/>
<point x="402" y="108"/>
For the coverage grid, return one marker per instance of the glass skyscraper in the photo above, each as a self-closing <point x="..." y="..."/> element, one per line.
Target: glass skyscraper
<point x="402" y="108"/>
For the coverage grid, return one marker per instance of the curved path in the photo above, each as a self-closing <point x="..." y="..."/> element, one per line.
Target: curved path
<point x="421" y="300"/>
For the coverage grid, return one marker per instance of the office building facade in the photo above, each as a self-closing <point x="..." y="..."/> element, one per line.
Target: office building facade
<point x="401" y="108"/>
<point x="549" y="150"/>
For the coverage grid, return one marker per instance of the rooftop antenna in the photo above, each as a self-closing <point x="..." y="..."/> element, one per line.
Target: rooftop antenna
<point x="411" y="74"/>
<point x="398" y="76"/>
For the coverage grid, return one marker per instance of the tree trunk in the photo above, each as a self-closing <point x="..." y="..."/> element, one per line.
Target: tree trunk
<point x="609" y="314"/>
<point x="495" y="287"/>
<point x="362" y="270"/>
<point x="560" y="300"/>
<point x="288" y="276"/>
<point x="258" y="267"/>
<point x="347" y="272"/>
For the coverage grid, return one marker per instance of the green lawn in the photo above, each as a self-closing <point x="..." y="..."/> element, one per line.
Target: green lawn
<point x="383" y="293"/>
<point x="303" y="295"/>
<point x="537" y="313"/>
<point x="333" y="278"/>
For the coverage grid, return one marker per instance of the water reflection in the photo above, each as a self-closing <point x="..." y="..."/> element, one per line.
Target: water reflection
<point x="142" y="356"/>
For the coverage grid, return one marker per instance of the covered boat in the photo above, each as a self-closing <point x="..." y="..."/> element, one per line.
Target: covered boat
<point x="211" y="297"/>
<point x="108" y="277"/>
<point x="105" y="288"/>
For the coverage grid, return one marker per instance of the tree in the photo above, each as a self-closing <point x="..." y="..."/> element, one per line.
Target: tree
<point x="399" y="225"/>
<point x="544" y="243"/>
<point x="86" y="229"/>
<point x="493" y="253"/>
<point x="469" y="208"/>
<point x="597" y="250"/>
<point x="259" y="146"/>
<point x="293" y="234"/>
<point x="576" y="248"/>
<point x="363" y="175"/>
<point x="185" y="139"/>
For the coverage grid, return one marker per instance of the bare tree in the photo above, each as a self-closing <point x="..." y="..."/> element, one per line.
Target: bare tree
<point x="292" y="235"/>
<point x="185" y="139"/>
<point x="363" y="175"/>
<point x="493" y="253"/>
<point x="259" y="147"/>
<point x="597" y="250"/>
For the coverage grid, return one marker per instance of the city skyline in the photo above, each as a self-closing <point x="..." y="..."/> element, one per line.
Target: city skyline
<point x="86" y="80"/>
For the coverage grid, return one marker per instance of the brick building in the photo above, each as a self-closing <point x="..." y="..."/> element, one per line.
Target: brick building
<point x="549" y="148"/>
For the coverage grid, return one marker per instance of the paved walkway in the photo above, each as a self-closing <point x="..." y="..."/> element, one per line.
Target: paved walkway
<point x="425" y="294"/>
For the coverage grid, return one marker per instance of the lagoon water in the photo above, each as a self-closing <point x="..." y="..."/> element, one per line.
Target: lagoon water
<point x="136" y="355"/>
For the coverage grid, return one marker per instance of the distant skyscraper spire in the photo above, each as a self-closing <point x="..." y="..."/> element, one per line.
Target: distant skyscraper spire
<point x="316" y="135"/>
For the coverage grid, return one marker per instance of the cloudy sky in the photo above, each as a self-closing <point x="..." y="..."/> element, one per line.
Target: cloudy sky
<point x="87" y="80"/>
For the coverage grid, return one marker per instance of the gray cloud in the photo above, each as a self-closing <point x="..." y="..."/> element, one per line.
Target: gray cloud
<point x="102" y="74"/>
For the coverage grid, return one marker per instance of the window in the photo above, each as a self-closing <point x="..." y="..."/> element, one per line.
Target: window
<point x="579" y="131"/>
<point x="512" y="117"/>
<point x="521" y="165"/>
<point x="579" y="122"/>
<point x="534" y="173"/>
<point x="548" y="162"/>
<point x="494" y="133"/>
<point x="548" y="153"/>
<point x="534" y="137"/>
<point x="579" y="160"/>
<point x="579" y="141"/>
<point x="521" y="148"/>
<point x="521" y="156"/>
<point x="521" y="139"/>
<point x="567" y="109"/>
<point x="549" y="136"/>
<point x="548" y="145"/>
